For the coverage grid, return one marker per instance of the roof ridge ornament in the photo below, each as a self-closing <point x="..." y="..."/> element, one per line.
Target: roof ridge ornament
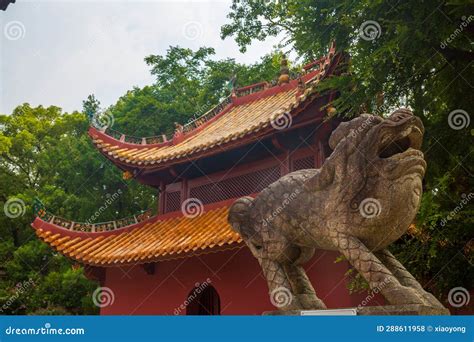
<point x="231" y="84"/>
<point x="284" y="71"/>
<point x="38" y="207"/>
<point x="311" y="74"/>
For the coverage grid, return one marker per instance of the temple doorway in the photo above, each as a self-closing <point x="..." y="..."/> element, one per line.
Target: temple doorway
<point x="204" y="301"/>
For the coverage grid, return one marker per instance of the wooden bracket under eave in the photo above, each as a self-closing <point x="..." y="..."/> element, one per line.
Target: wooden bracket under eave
<point x="276" y="143"/>
<point x="173" y="172"/>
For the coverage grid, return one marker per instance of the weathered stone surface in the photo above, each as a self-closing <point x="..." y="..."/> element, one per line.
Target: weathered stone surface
<point x="363" y="198"/>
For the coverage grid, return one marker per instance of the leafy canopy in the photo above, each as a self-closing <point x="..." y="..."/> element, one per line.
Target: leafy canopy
<point x="188" y="83"/>
<point x="408" y="53"/>
<point x="47" y="153"/>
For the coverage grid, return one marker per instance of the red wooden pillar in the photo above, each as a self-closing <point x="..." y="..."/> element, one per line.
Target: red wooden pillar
<point x="283" y="157"/>
<point x="321" y="135"/>
<point x="161" y="200"/>
<point x="184" y="189"/>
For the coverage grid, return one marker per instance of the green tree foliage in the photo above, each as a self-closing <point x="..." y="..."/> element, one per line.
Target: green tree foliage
<point x="90" y="106"/>
<point x="416" y="54"/>
<point x="47" y="154"/>
<point x="188" y="83"/>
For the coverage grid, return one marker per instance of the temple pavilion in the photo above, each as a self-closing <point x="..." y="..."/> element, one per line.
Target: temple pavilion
<point x="187" y="259"/>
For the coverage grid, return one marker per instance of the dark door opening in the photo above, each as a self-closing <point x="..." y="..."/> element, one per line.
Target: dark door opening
<point x="203" y="302"/>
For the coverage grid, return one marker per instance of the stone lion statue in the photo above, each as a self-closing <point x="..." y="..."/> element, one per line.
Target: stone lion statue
<point x="362" y="199"/>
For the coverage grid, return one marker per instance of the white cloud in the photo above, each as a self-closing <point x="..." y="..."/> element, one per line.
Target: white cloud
<point x="73" y="48"/>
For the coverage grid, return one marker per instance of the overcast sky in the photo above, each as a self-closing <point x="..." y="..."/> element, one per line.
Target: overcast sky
<point x="58" y="52"/>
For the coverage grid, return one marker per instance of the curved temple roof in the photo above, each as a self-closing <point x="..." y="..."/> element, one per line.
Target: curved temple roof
<point x="251" y="114"/>
<point x="170" y="237"/>
<point x="175" y="235"/>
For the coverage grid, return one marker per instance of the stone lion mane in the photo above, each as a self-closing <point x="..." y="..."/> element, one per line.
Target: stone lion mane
<point x="375" y="159"/>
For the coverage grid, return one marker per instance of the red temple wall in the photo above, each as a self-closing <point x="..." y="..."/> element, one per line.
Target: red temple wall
<point x="235" y="274"/>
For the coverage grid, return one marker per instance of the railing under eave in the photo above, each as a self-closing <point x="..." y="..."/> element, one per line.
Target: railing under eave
<point x="163" y="138"/>
<point x="95" y="227"/>
<point x="201" y="120"/>
<point x="319" y="64"/>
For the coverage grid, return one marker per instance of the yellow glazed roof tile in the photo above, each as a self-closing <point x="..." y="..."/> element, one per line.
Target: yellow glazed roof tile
<point x="242" y="117"/>
<point x="157" y="239"/>
<point x="172" y="236"/>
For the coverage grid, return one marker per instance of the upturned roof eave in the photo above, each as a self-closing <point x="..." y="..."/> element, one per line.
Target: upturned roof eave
<point x="111" y="148"/>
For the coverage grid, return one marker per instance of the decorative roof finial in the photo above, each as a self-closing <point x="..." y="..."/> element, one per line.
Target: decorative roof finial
<point x="178" y="128"/>
<point x="38" y="207"/>
<point x="231" y="83"/>
<point x="301" y="84"/>
<point x="126" y="175"/>
<point x="284" y="71"/>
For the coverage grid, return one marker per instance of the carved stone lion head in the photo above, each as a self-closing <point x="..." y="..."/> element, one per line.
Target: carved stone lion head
<point x="374" y="175"/>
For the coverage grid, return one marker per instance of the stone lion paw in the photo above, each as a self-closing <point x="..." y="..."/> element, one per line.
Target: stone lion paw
<point x="310" y="302"/>
<point x="402" y="295"/>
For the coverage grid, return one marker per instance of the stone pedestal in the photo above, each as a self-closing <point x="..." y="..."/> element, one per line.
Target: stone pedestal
<point x="387" y="310"/>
